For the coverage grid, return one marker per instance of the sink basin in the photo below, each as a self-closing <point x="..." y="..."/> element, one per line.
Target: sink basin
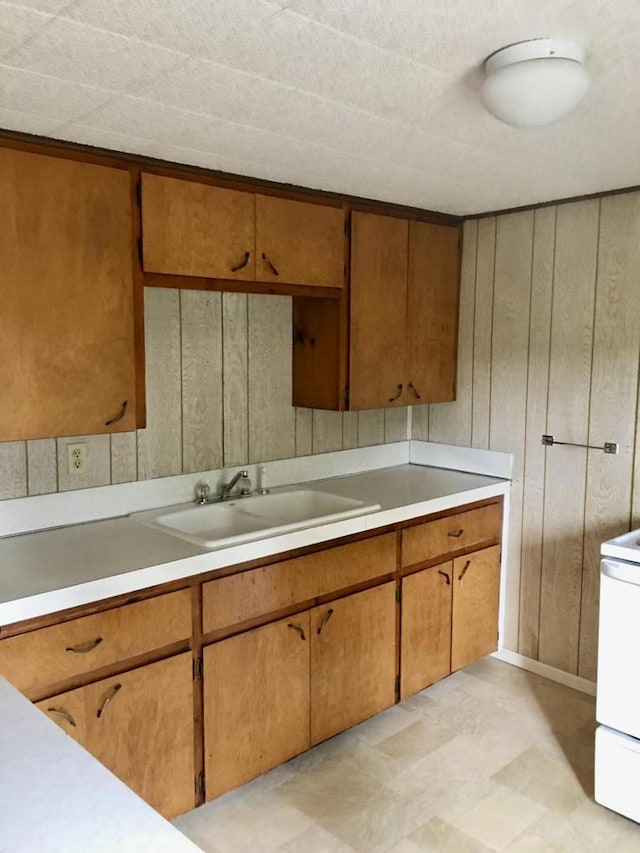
<point x="217" y="525"/>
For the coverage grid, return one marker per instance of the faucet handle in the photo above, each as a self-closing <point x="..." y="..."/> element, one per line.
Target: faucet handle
<point x="203" y="491"/>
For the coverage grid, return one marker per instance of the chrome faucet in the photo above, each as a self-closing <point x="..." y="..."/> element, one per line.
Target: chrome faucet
<point x="226" y="488"/>
<point x="203" y="490"/>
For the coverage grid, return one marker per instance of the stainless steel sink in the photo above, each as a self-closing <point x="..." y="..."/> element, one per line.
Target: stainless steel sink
<point x="216" y="525"/>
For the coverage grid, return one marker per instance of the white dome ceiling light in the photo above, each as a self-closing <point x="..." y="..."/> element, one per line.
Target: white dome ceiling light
<point x="534" y="83"/>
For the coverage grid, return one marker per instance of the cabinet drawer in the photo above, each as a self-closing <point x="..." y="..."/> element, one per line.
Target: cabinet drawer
<point x="49" y="655"/>
<point x="447" y="535"/>
<point x="251" y="594"/>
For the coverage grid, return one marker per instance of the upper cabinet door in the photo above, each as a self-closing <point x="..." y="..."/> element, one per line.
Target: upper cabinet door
<point x="432" y="316"/>
<point x="379" y="246"/>
<point x="299" y="243"/>
<point x="195" y="229"/>
<point x="67" y="343"/>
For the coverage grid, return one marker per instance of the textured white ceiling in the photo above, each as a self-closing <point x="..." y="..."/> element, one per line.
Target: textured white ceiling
<point x="376" y="98"/>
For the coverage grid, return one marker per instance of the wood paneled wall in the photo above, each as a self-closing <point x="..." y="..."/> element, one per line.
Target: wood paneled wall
<point x="218" y="394"/>
<point x="550" y="343"/>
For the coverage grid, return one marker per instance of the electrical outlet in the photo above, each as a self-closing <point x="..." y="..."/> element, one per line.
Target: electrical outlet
<point x="77" y="458"/>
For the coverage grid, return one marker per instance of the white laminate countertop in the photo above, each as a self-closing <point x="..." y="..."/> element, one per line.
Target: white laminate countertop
<point x="57" y="798"/>
<point x="51" y="570"/>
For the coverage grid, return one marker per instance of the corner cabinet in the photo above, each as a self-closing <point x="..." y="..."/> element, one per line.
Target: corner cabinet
<point x="392" y="338"/>
<point x="68" y="346"/>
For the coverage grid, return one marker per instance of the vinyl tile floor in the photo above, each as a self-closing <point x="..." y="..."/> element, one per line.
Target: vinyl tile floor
<point x="492" y="758"/>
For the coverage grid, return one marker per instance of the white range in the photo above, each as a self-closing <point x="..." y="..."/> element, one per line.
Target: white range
<point x="617" y="759"/>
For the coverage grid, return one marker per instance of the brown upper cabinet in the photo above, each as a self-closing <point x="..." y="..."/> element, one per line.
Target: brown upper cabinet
<point x="392" y="341"/>
<point x="404" y="312"/>
<point x="67" y="334"/>
<point x="196" y="229"/>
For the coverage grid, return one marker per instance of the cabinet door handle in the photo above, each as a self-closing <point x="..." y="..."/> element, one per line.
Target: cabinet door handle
<point x="242" y="263"/>
<point x="107" y="700"/>
<point x="64" y="714"/>
<point x="87" y="647"/>
<point x="415" y="391"/>
<point x="456" y="534"/>
<point x="445" y="576"/>
<point x="464" y="571"/>
<point x="119" y="416"/>
<point x="398" y="394"/>
<point x="325" y="619"/>
<point x="269" y="264"/>
<point x="298" y="629"/>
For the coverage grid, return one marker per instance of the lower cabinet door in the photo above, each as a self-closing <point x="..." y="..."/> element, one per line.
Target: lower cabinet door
<point x="256" y="702"/>
<point x="476" y="594"/>
<point x="353" y="660"/>
<point x="426" y="628"/>
<point x="140" y="725"/>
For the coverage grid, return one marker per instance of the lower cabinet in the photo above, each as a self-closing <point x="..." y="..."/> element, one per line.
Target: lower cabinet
<point x="449" y="618"/>
<point x="256" y="702"/>
<point x="140" y="725"/>
<point x="272" y="692"/>
<point x="353" y="660"/>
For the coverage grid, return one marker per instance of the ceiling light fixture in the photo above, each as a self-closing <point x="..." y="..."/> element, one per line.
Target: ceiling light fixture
<point x="534" y="83"/>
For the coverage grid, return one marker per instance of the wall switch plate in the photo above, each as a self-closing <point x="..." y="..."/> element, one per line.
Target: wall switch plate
<point x="77" y="458"/>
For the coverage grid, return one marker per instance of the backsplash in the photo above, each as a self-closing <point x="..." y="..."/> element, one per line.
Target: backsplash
<point x="218" y="394"/>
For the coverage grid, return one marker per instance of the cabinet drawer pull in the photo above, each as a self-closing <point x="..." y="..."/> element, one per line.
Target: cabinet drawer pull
<point x="269" y="264"/>
<point x="456" y="534"/>
<point x="119" y="416"/>
<point x="64" y="714"/>
<point x="87" y="647"/>
<point x="445" y="576"/>
<point x="463" y="572"/>
<point x="107" y="699"/>
<point x="398" y="394"/>
<point x="415" y="391"/>
<point x="242" y="263"/>
<point x="325" y="619"/>
<point x="298" y="629"/>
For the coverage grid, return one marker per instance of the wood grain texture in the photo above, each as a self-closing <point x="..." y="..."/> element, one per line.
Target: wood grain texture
<point x="160" y="444"/>
<point x="319" y="353"/>
<point x="272" y="428"/>
<point x="370" y="427"/>
<point x="303" y="242"/>
<point x="124" y="457"/>
<point x="256" y="702"/>
<point x="568" y="414"/>
<point x="145" y="733"/>
<point x="476" y="593"/>
<point x="379" y="264"/>
<point x="327" y="431"/>
<point x="201" y="343"/>
<point x="614" y="388"/>
<point x="98" y="471"/>
<point x="65" y="238"/>
<point x="395" y="425"/>
<point x="444" y="536"/>
<point x="450" y="423"/>
<point x="42" y="465"/>
<point x="247" y="595"/>
<point x="432" y="312"/>
<point x="13" y="469"/>
<point x="235" y="355"/>
<point x="421" y="421"/>
<point x="426" y="628"/>
<point x="534" y="452"/>
<point x="353" y="660"/>
<point x="304" y="432"/>
<point x="483" y="316"/>
<point x="46" y="656"/>
<point x="509" y="363"/>
<point x="195" y="229"/>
